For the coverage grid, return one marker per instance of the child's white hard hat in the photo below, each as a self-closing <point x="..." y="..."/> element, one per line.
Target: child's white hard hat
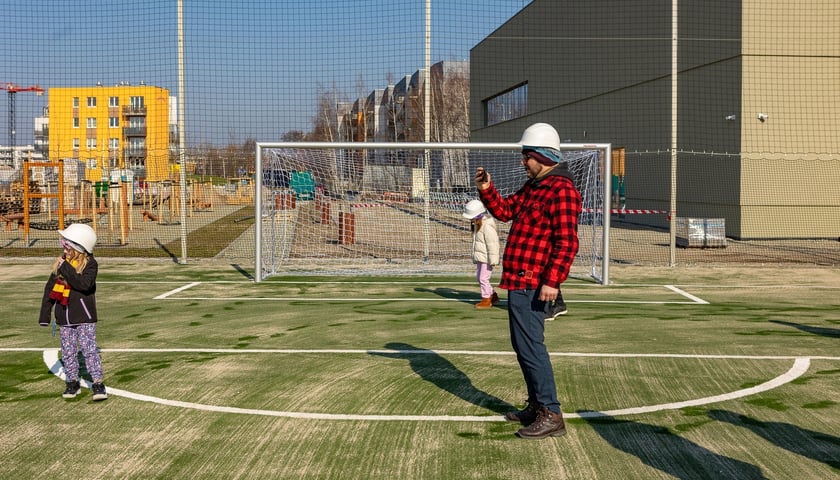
<point x="80" y="234"/>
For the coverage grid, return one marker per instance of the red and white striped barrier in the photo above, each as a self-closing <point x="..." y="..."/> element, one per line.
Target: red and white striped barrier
<point x="631" y="211"/>
<point x="620" y="211"/>
<point x="368" y="205"/>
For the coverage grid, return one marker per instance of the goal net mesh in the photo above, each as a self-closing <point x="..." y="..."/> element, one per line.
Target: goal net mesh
<point x="395" y="209"/>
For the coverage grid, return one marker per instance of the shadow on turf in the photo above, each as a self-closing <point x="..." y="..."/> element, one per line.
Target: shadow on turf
<point x="808" y="443"/>
<point x="440" y="372"/>
<point x="659" y="448"/>
<point x="172" y="256"/>
<point x="241" y="270"/>
<point x="821" y="331"/>
<point x="465" y="296"/>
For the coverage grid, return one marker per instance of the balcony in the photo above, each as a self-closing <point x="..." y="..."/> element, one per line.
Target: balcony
<point x="134" y="131"/>
<point x="134" y="152"/>
<point x="131" y="110"/>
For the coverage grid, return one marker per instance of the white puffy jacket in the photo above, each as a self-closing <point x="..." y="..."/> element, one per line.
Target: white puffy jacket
<point x="486" y="242"/>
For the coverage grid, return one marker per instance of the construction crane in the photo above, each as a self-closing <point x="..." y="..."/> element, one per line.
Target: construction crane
<point x="13" y="89"/>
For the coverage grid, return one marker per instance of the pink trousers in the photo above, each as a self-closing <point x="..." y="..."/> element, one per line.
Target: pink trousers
<point x="483" y="271"/>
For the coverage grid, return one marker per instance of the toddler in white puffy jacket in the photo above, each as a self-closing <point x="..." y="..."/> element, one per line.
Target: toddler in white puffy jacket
<point x="485" y="251"/>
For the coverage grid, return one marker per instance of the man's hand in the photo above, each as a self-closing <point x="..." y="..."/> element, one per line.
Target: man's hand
<point x="482" y="179"/>
<point x="548" y="294"/>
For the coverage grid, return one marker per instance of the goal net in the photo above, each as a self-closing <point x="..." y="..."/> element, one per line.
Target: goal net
<point x="395" y="208"/>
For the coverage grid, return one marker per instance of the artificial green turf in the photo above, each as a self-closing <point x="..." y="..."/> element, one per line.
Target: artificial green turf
<point x="786" y="432"/>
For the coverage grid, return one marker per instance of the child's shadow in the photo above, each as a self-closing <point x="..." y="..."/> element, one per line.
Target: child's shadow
<point x="439" y="371"/>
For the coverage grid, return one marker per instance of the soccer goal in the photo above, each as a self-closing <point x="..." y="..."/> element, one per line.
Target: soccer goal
<point x="395" y="208"/>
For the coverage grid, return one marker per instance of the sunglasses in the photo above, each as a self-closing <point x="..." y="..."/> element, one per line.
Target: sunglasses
<point x="68" y="245"/>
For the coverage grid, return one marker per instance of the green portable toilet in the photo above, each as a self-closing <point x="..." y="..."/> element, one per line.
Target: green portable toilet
<point x="101" y="189"/>
<point x="303" y="185"/>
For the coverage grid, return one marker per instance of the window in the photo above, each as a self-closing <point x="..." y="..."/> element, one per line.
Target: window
<point x="91" y="122"/>
<point x="114" y="143"/>
<point x="137" y="122"/>
<point x="75" y="122"/>
<point x="91" y="101"/>
<point x="137" y="102"/>
<point x="75" y="144"/>
<point x="508" y="105"/>
<point x="91" y="143"/>
<point x="114" y="122"/>
<point x="91" y="163"/>
<point x="114" y="102"/>
<point x="75" y="102"/>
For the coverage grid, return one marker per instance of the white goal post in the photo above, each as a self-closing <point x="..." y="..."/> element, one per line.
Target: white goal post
<point x="330" y="208"/>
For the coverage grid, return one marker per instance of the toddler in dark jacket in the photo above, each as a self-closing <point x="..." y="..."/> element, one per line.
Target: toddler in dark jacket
<point x="70" y="295"/>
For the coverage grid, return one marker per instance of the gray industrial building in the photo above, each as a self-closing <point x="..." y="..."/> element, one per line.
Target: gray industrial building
<point x="758" y="93"/>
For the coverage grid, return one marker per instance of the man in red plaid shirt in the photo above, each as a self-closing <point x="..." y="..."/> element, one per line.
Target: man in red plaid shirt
<point x="538" y="255"/>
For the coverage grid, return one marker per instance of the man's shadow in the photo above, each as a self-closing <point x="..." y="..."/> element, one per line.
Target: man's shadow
<point x="822" y="331"/>
<point x="659" y="448"/>
<point x="808" y="443"/>
<point x="439" y="371"/>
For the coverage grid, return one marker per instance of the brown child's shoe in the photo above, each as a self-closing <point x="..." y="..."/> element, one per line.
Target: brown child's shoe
<point x="495" y="298"/>
<point x="486" y="302"/>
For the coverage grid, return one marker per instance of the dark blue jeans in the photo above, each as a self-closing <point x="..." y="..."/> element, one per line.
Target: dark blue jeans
<point x="527" y="336"/>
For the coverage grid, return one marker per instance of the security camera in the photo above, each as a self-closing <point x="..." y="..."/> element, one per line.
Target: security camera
<point x="731" y="118"/>
<point x="762" y="117"/>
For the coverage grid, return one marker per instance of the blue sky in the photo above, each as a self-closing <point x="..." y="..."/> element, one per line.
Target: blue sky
<point x="253" y="68"/>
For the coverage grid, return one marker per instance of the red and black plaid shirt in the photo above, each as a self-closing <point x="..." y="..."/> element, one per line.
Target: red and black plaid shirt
<point x="543" y="239"/>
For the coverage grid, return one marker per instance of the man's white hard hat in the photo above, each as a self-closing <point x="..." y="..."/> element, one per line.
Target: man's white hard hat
<point x="540" y="135"/>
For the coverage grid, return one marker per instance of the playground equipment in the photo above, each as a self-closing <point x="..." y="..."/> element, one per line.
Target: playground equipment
<point x="27" y="195"/>
<point x="239" y="191"/>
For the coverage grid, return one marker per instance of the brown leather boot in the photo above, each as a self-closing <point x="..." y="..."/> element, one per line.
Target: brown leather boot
<point x="485" y="303"/>
<point x="495" y="298"/>
<point x="547" y="424"/>
<point x="526" y="416"/>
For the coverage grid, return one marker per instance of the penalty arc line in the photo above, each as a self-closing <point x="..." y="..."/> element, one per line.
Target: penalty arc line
<point x="800" y="366"/>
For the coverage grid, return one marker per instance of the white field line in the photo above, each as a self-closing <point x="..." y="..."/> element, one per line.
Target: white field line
<point x="347" y="351"/>
<point x="800" y="366"/>
<point x="410" y="299"/>
<point x="686" y="294"/>
<point x="693" y="299"/>
<point x="177" y="290"/>
<point x="717" y="286"/>
<point x="170" y="295"/>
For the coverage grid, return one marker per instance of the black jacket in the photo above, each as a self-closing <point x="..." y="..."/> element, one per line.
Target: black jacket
<point x="81" y="307"/>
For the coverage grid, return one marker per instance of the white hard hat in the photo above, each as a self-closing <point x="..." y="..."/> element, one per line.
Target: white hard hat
<point x="473" y="208"/>
<point x="80" y="234"/>
<point x="540" y="135"/>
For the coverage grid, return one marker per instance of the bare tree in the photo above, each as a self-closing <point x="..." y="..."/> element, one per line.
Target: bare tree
<point x="450" y="121"/>
<point x="325" y="121"/>
<point x="294" y="136"/>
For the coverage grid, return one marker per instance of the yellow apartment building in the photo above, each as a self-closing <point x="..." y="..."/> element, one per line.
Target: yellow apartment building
<point x="111" y="127"/>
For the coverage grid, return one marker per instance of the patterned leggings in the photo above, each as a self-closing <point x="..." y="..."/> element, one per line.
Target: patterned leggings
<point x="82" y="337"/>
